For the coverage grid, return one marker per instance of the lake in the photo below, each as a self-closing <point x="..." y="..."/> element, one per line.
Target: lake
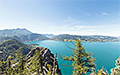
<point x="105" y="53"/>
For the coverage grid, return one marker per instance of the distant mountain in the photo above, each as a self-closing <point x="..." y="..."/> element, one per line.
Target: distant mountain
<point x="49" y="35"/>
<point x="61" y="37"/>
<point x="14" y="32"/>
<point x="25" y="35"/>
<point x="11" y="46"/>
<point x="26" y="38"/>
<point x="95" y="38"/>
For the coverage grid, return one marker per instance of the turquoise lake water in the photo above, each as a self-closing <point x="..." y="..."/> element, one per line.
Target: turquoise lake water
<point x="105" y="53"/>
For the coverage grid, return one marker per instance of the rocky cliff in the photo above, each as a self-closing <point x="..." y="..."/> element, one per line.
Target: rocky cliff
<point x="48" y="59"/>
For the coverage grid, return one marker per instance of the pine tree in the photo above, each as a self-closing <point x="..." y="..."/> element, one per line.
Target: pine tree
<point x="37" y="63"/>
<point x="19" y="62"/>
<point x="2" y="66"/>
<point x="83" y="61"/>
<point x="8" y="67"/>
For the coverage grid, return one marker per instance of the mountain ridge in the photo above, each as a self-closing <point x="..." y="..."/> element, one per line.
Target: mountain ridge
<point x="13" y="32"/>
<point x="92" y="38"/>
<point x="25" y="35"/>
<point x="26" y="38"/>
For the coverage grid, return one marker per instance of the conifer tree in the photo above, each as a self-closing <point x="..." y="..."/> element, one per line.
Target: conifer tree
<point x="82" y="60"/>
<point x="2" y="66"/>
<point x="8" y="67"/>
<point x="19" y="62"/>
<point x="37" y="63"/>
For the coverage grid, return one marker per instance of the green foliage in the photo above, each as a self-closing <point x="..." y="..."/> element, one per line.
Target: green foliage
<point x="83" y="61"/>
<point x="2" y="66"/>
<point x="37" y="63"/>
<point x="50" y="72"/>
<point x="116" y="71"/>
<point x="14" y="66"/>
<point x="5" y="66"/>
<point x="18" y="65"/>
<point x="14" y="61"/>
<point x="102" y="72"/>
<point x="50" y="69"/>
<point x="9" y="48"/>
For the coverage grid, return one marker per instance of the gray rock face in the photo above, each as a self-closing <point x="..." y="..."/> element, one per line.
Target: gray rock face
<point x="48" y="58"/>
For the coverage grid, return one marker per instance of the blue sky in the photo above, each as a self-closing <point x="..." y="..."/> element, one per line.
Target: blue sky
<point x="79" y="17"/>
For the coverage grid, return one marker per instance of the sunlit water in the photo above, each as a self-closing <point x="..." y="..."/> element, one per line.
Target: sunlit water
<point x="105" y="53"/>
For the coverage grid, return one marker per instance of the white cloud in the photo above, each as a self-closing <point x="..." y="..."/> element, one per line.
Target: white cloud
<point x="110" y="30"/>
<point x="104" y="13"/>
<point x="75" y="27"/>
<point x="82" y="26"/>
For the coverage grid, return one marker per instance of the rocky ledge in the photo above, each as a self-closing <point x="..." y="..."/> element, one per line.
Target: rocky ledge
<point x="48" y="58"/>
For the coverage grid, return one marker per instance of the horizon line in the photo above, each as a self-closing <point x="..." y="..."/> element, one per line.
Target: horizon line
<point x="58" y="33"/>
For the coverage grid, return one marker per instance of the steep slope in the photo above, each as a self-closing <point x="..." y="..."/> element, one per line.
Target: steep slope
<point x="11" y="46"/>
<point x="48" y="58"/>
<point x="26" y="38"/>
<point x="13" y="32"/>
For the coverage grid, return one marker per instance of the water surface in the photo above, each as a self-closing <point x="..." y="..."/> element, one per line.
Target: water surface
<point x="105" y="53"/>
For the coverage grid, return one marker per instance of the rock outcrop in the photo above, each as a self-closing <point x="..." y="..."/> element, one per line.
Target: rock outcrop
<point x="48" y="58"/>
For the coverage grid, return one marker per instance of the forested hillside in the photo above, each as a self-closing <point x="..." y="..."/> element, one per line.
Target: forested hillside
<point x="10" y="47"/>
<point x="39" y="61"/>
